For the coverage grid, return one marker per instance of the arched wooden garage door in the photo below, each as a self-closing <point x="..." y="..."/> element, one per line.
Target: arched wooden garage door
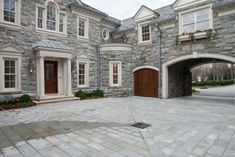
<point x="146" y="83"/>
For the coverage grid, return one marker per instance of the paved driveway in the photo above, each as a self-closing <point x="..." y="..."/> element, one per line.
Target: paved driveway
<point x="184" y="127"/>
<point x="226" y="91"/>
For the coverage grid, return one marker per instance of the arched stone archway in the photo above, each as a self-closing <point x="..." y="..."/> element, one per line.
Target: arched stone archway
<point x="183" y="64"/>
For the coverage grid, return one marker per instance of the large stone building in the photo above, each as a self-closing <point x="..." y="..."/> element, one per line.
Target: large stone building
<point x="52" y="48"/>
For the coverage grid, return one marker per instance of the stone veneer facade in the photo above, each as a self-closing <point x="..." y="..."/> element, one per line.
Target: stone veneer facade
<point x="223" y="43"/>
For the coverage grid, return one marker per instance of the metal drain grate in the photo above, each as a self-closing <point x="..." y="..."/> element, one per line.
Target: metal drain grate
<point x="141" y="125"/>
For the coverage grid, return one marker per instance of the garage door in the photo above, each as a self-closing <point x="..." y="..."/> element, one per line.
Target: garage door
<point x="146" y="83"/>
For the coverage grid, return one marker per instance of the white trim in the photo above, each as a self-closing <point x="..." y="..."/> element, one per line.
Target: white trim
<point x="186" y="57"/>
<point x="140" y="40"/>
<point x="107" y="34"/>
<point x="44" y="26"/>
<point x="176" y="7"/>
<point x="87" y="69"/>
<point x="226" y="12"/>
<point x="10" y="52"/>
<point x="111" y="73"/>
<point x="86" y="33"/>
<point x="115" y="47"/>
<point x="17" y="22"/>
<point x="209" y="6"/>
<point x="167" y="25"/>
<point x="145" y="67"/>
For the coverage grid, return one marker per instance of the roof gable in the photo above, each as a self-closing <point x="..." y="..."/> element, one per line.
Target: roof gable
<point x="179" y="4"/>
<point x="144" y="13"/>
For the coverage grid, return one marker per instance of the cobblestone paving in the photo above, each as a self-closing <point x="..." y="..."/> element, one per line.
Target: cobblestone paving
<point x="185" y="127"/>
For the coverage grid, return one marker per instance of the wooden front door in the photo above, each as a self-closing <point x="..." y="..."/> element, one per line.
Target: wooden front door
<point x="146" y="83"/>
<point x="51" y="77"/>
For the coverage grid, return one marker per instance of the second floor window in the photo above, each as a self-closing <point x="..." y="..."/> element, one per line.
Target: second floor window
<point x="196" y="21"/>
<point x="82" y="28"/>
<point x="146" y="33"/>
<point x="9" y="10"/>
<point x="50" y="18"/>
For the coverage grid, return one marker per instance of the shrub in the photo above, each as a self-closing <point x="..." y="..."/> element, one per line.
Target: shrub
<point x="82" y="95"/>
<point x="98" y="93"/>
<point x="25" y="99"/>
<point x="214" y="83"/>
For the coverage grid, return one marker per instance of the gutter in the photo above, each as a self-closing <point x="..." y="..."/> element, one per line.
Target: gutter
<point x="159" y="59"/>
<point x="98" y="66"/>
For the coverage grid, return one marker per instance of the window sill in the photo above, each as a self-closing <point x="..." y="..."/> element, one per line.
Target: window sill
<point x="79" y="87"/>
<point x="50" y="32"/>
<point x="11" y="92"/>
<point x="82" y="38"/>
<point x="197" y="35"/>
<point x="10" y="25"/>
<point x="145" y="43"/>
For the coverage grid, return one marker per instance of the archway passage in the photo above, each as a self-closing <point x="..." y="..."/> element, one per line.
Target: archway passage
<point x="146" y="83"/>
<point x="177" y="76"/>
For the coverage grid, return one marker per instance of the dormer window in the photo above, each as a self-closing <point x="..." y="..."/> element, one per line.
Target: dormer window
<point x="144" y="33"/>
<point x="51" y="19"/>
<point x="196" y="20"/>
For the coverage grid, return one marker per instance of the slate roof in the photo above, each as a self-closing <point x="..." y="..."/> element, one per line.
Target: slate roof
<point x="87" y="7"/>
<point x="223" y="4"/>
<point x="166" y="13"/>
<point x="51" y="44"/>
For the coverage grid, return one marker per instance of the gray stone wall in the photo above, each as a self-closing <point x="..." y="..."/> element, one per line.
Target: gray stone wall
<point x="27" y="34"/>
<point x="126" y="88"/>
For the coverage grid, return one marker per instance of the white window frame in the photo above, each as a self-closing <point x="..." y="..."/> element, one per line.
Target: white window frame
<point x="44" y="27"/>
<point x="17" y="14"/>
<point x="140" y="37"/>
<point x="86" y="33"/>
<point x="86" y="62"/>
<point x="107" y="34"/>
<point x="111" y="84"/>
<point x="181" y="29"/>
<point x="17" y="58"/>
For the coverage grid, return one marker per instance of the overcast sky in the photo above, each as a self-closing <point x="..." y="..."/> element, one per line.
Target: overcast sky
<point x="123" y="9"/>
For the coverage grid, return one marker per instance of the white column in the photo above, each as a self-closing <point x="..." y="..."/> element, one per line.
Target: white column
<point x="41" y="78"/>
<point x="69" y="80"/>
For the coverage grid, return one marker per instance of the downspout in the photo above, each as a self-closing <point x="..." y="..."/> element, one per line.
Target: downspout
<point x="98" y="66"/>
<point x="159" y="59"/>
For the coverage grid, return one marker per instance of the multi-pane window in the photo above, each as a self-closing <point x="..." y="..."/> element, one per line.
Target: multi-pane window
<point x="9" y="73"/>
<point x="51" y="17"/>
<point x="83" y="74"/>
<point x="9" y="11"/>
<point x="61" y="22"/>
<point x="115" y="73"/>
<point x="40" y="17"/>
<point x="196" y="21"/>
<point x="82" y="27"/>
<point x="146" y="33"/>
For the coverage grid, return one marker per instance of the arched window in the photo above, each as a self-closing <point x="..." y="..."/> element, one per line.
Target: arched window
<point x="51" y="16"/>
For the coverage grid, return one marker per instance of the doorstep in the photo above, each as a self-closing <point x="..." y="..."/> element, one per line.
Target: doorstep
<point x="55" y="99"/>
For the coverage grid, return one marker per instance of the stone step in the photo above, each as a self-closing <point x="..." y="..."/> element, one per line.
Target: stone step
<point x="55" y="100"/>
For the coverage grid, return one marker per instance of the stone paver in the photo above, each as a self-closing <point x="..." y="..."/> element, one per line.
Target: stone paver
<point x="184" y="127"/>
